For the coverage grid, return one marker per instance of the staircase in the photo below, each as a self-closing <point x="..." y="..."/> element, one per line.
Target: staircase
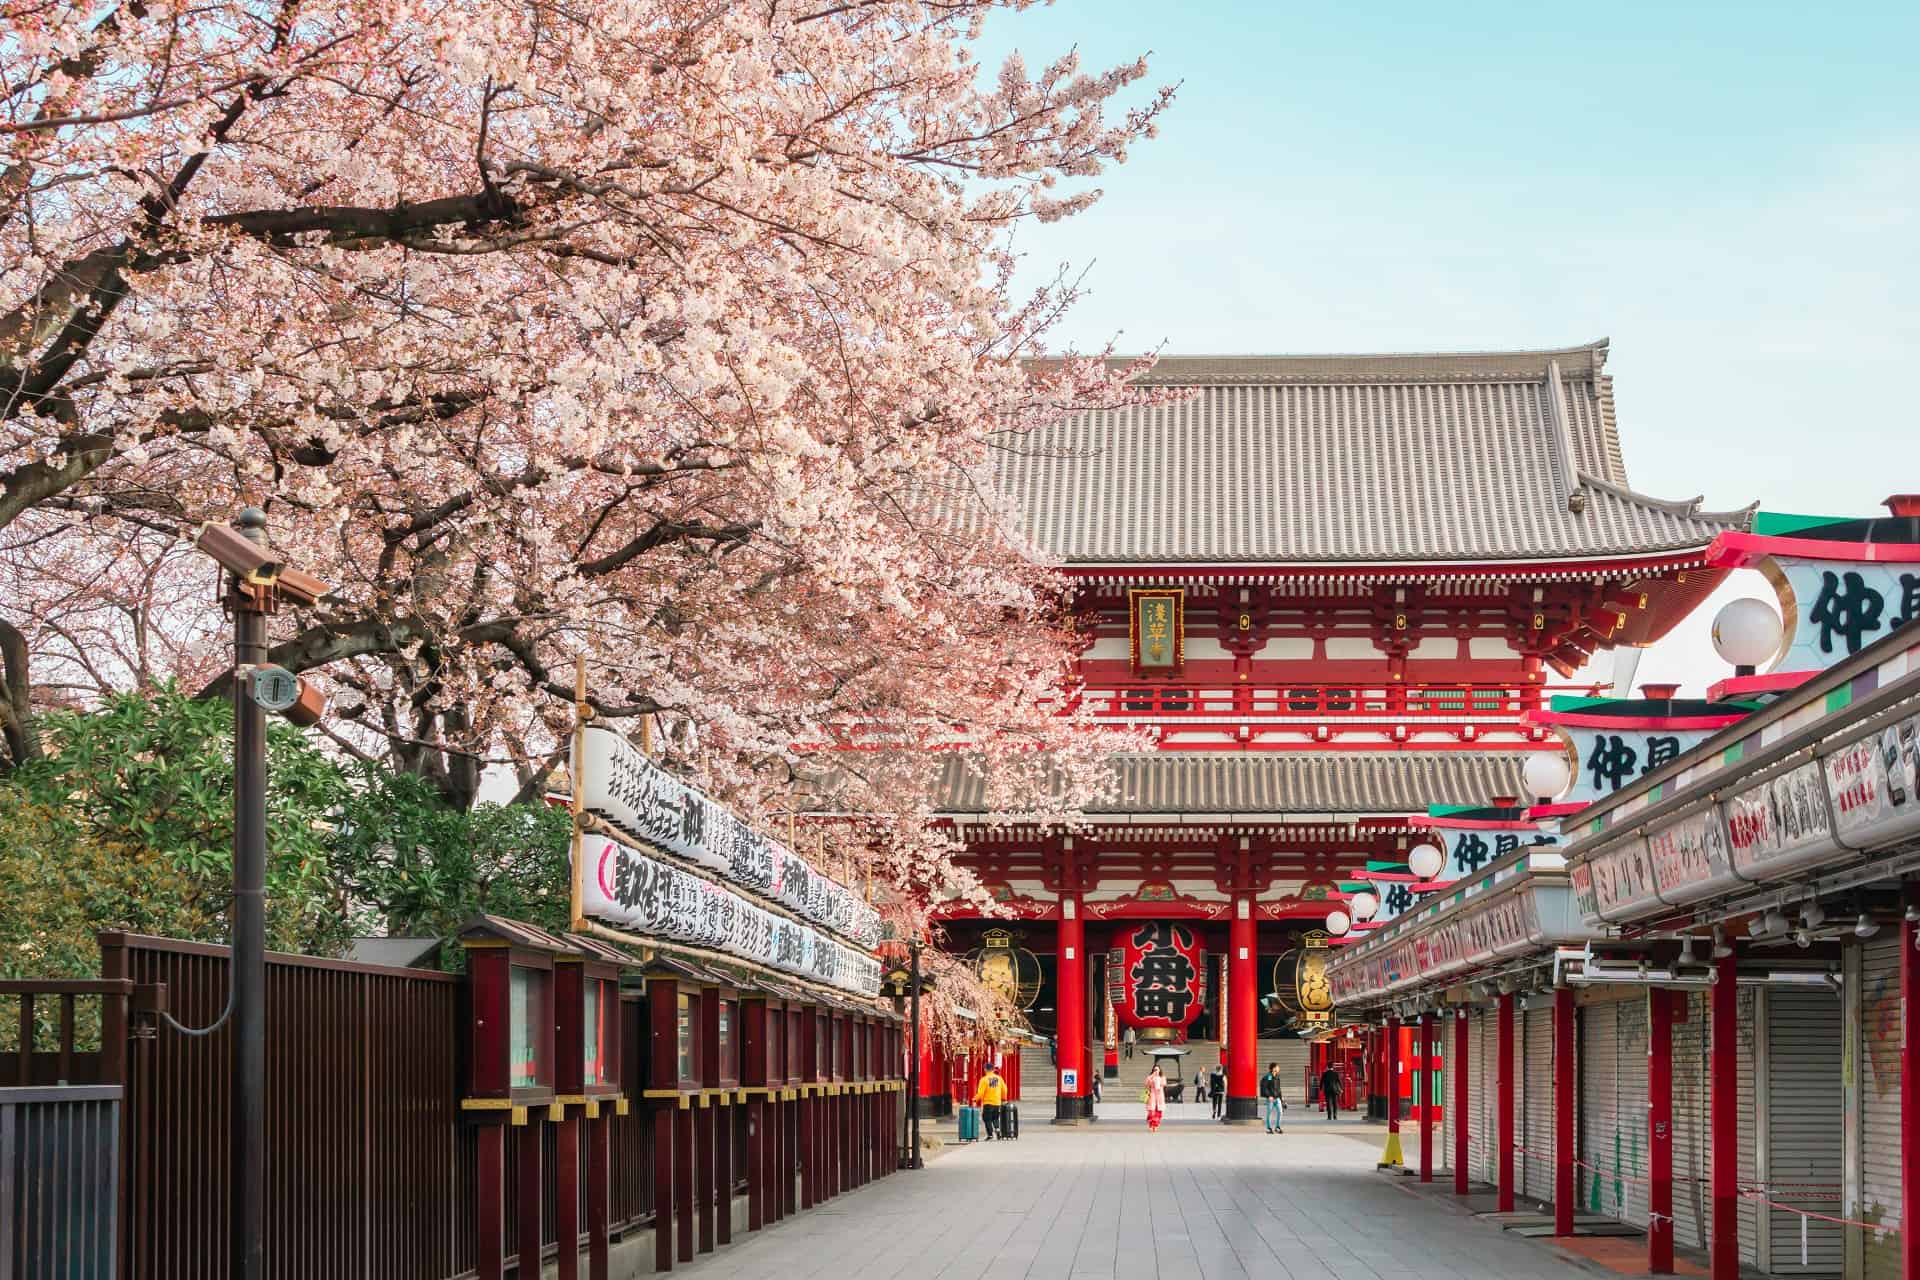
<point x="1037" y="1073"/>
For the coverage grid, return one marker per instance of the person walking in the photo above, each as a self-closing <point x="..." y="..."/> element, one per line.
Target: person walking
<point x="1199" y="1087"/>
<point x="1275" y="1105"/>
<point x="1155" y="1096"/>
<point x="1217" y="1090"/>
<point x="989" y="1095"/>
<point x="1126" y="1042"/>
<point x="1330" y="1091"/>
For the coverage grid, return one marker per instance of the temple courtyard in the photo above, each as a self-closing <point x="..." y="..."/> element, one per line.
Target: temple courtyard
<point x="1196" y="1201"/>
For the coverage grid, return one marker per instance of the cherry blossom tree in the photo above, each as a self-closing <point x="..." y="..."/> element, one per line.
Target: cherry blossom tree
<point x="674" y="334"/>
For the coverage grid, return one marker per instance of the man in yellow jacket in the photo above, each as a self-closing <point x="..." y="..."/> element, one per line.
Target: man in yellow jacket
<point x="988" y="1095"/>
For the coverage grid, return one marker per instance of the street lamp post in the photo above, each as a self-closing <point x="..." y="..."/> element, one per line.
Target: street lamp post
<point x="256" y="581"/>
<point x="913" y="1160"/>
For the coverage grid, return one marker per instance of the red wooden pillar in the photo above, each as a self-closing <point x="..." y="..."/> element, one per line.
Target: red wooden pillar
<point x="1910" y="1091"/>
<point x="599" y="1192"/>
<point x="1070" y="1004"/>
<point x="490" y="1215"/>
<point x="1457" y="1073"/>
<point x="1723" y="1140"/>
<point x="1393" y="1075"/>
<point x="682" y="1183"/>
<point x="663" y="1183"/>
<point x="703" y="1173"/>
<point x="1423" y="1100"/>
<point x="805" y="1152"/>
<point x="1243" y="1013"/>
<point x="789" y="1158"/>
<point x="1503" y="1103"/>
<point x="1660" y="1131"/>
<point x="527" y="1176"/>
<point x="723" y="1174"/>
<point x="756" y="1163"/>
<point x="1563" y="1111"/>
<point x="566" y="1194"/>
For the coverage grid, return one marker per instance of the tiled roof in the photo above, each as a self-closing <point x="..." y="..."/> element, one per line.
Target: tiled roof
<point x="1196" y="782"/>
<point x="1334" y="459"/>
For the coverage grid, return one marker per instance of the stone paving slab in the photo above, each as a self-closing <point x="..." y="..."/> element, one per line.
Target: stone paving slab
<point x="1111" y="1201"/>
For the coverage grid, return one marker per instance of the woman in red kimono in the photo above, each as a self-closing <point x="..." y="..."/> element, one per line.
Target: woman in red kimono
<point x="1156" y="1096"/>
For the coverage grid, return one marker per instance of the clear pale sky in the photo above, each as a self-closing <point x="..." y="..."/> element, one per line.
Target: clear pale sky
<point x="1726" y="191"/>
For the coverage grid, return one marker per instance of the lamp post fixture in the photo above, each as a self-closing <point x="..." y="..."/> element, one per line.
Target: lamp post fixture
<point x="913" y="1160"/>
<point x="256" y="581"/>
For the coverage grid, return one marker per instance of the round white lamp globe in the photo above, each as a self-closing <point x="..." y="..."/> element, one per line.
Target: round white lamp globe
<point x="1338" y="923"/>
<point x="1425" y="861"/>
<point x="1746" y="632"/>
<point x="1547" y="774"/>
<point x="1363" y="905"/>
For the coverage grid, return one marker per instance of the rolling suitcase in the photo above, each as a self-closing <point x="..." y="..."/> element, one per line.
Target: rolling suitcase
<point x="1009" y="1121"/>
<point x="969" y="1124"/>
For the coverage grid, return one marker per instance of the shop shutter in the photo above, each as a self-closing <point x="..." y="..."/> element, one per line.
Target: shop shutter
<point x="1746" y="1028"/>
<point x="1627" y="1164"/>
<point x="1537" y="1133"/>
<point x="1691" y="1209"/>
<point x="1449" y="1114"/>
<point x="1803" y="1128"/>
<point x="1599" y="1127"/>
<point x="1479" y="1115"/>
<point x="1879" y="1059"/>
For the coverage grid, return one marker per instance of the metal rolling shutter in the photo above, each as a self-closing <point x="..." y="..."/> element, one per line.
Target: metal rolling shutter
<point x="1747" y="1030"/>
<point x="1480" y="1125"/>
<point x="1803" y="1128"/>
<point x="1879" y="1059"/>
<point x="1449" y="1114"/>
<point x="1537" y="1133"/>
<point x="1599" y="1107"/>
<point x="1629" y="1165"/>
<point x="1691" y="1208"/>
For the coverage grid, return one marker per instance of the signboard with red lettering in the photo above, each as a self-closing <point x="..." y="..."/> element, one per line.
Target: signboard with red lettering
<point x="1873" y="786"/>
<point x="1691" y="858"/>
<point x="1780" y="825"/>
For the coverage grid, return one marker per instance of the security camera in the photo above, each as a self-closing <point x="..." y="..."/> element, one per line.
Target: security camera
<point x="301" y="587"/>
<point x="233" y="550"/>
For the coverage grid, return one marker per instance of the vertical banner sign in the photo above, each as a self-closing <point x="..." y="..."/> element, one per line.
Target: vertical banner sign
<point x="1224" y="1017"/>
<point x="1158" y="626"/>
<point x="1110" y="1023"/>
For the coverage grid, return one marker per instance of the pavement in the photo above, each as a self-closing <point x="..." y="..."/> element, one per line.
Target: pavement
<point x="1195" y="1201"/>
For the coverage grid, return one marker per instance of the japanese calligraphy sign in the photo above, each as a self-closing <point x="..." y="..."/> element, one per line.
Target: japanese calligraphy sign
<point x="1691" y="858"/>
<point x="1503" y="926"/>
<point x="1780" y="824"/>
<point x="628" y="889"/>
<point x="1614" y="758"/>
<point x="622" y="785"/>
<point x="1873" y="786"/>
<point x="1623" y="879"/>
<point x="1163" y="975"/>
<point x="1841" y="607"/>
<point x="1471" y="851"/>
<point x="1158" y="626"/>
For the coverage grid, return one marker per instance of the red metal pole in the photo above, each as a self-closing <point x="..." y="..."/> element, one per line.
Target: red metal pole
<point x="1660" y="1131"/>
<point x="566" y="1194"/>
<point x="1423" y="1095"/>
<point x="490" y="1214"/>
<point x="1724" y="1139"/>
<point x="1503" y="1103"/>
<point x="527" y="1171"/>
<point x="1070" y="1005"/>
<point x="1910" y="1092"/>
<point x="1243" y="1027"/>
<point x="599" y="1149"/>
<point x="1563" y="1111"/>
<point x="1393" y="1075"/>
<point x="1457" y="1071"/>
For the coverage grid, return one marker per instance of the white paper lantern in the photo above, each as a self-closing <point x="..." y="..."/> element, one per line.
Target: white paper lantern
<point x="1425" y="861"/>
<point x="1547" y="774"/>
<point x="1364" y="905"/>
<point x="1338" y="923"/>
<point x="1746" y="632"/>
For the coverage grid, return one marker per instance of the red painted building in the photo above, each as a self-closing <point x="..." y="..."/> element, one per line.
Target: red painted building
<point x="1331" y="588"/>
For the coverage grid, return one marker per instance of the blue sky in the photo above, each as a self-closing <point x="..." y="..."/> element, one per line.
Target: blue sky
<point x="1728" y="192"/>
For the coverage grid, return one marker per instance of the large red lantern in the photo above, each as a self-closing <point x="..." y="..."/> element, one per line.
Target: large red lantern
<point x="1161" y="979"/>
